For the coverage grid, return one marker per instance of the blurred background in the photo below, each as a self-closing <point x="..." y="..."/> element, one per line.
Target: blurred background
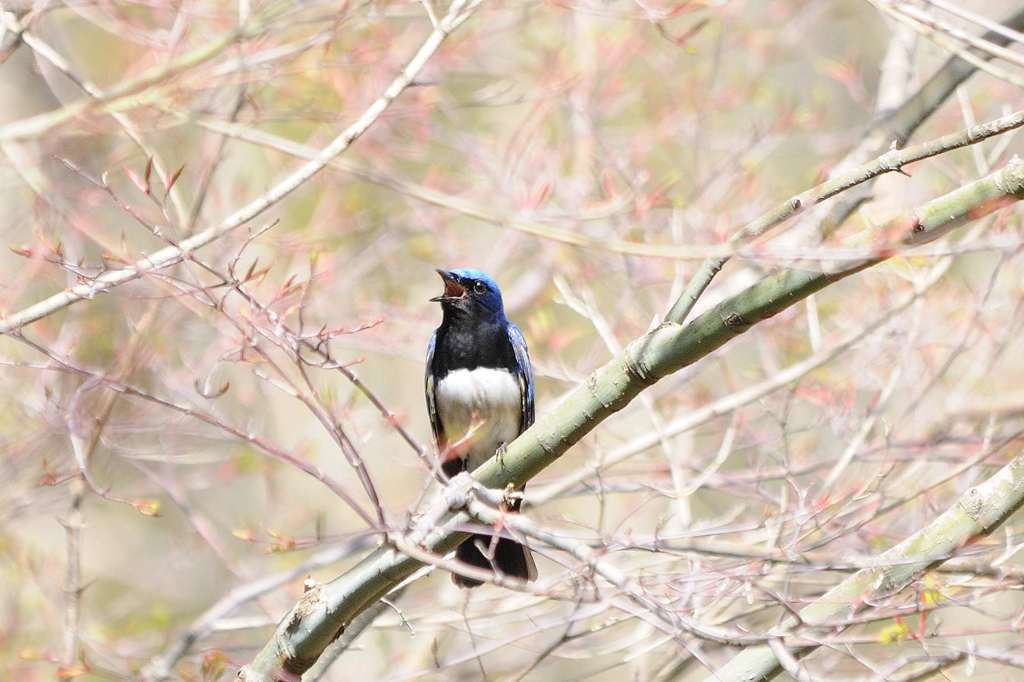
<point x="160" y="443"/>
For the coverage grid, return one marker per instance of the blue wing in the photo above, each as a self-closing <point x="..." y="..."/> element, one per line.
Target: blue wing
<point x="435" y="419"/>
<point x="524" y="372"/>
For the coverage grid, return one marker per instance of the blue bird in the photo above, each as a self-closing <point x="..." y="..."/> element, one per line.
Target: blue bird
<point x="479" y="386"/>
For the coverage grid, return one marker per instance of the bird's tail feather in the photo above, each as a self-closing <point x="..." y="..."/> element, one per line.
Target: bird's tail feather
<point x="510" y="557"/>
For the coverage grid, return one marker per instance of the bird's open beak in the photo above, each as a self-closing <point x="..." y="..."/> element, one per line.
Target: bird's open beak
<point x="453" y="291"/>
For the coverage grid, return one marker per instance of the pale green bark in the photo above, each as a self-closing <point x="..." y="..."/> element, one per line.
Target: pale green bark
<point x="977" y="512"/>
<point x="890" y="132"/>
<point x="325" y="612"/>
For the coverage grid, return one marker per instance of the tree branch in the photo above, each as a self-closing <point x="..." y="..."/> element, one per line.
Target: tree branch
<point x="159" y="668"/>
<point x="978" y="512"/>
<point x="130" y="90"/>
<point x="889" y="162"/>
<point x="891" y="131"/>
<point x="171" y="255"/>
<point x="319" y="618"/>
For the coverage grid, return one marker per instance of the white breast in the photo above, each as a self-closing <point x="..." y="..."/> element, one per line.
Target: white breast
<point x="484" y="403"/>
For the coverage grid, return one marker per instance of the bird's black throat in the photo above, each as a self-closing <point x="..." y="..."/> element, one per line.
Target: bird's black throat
<point x="469" y="341"/>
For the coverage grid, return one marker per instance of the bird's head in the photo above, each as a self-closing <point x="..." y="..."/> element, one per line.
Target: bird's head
<point x="470" y="292"/>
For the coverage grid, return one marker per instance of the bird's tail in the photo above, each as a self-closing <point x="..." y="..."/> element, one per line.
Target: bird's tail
<point x="510" y="557"/>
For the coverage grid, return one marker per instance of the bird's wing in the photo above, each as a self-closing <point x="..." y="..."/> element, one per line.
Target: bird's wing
<point x="524" y="372"/>
<point x="435" y="419"/>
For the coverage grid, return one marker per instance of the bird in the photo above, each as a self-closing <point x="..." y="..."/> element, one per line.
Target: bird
<point x="480" y="396"/>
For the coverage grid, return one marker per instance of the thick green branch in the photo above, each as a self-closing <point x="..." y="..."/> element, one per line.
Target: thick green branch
<point x="319" y="618"/>
<point x="893" y="130"/>
<point x="897" y="127"/>
<point x="978" y="511"/>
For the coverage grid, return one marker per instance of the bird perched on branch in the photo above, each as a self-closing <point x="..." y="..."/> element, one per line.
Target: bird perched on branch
<point x="479" y="387"/>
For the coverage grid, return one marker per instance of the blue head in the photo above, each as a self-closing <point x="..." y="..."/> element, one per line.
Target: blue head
<point x="469" y="292"/>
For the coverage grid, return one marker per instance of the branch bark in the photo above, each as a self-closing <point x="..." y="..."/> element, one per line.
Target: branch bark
<point x="323" y="615"/>
<point x="978" y="512"/>
<point x="892" y="130"/>
<point x="172" y="255"/>
<point x="889" y="162"/>
<point x="899" y="126"/>
<point x="895" y="129"/>
<point x="40" y="124"/>
<point x="160" y="666"/>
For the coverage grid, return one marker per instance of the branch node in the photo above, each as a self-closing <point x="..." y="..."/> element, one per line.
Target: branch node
<point x="734" y="320"/>
<point x="458" y="491"/>
<point x="634" y="368"/>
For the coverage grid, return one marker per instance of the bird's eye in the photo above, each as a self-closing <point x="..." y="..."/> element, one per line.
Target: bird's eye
<point x="479" y="287"/>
